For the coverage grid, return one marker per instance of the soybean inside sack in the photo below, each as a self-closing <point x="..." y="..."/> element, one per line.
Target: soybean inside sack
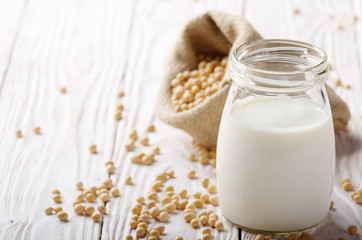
<point x="217" y="34"/>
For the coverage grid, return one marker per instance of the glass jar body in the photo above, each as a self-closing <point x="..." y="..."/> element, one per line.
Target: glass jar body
<point x="275" y="159"/>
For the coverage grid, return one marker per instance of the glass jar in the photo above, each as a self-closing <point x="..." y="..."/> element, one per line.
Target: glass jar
<point x="276" y="150"/>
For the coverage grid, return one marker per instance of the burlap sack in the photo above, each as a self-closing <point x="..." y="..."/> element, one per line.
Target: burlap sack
<point x="218" y="34"/>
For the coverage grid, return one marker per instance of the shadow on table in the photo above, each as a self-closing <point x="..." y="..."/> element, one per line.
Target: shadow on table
<point x="347" y="143"/>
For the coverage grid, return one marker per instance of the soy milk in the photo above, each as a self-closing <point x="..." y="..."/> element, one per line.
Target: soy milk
<point x="275" y="163"/>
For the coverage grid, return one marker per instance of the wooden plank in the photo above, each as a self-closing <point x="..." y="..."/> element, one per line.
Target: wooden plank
<point x="317" y="23"/>
<point x="66" y="43"/>
<point x="11" y="13"/>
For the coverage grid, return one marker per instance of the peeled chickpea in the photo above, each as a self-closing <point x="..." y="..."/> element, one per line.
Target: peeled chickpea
<point x="145" y="211"/>
<point x="103" y="190"/>
<point x="115" y="192"/>
<point x="202" y="213"/>
<point x="120" y="107"/>
<point x="169" y="207"/>
<point x="133" y="223"/>
<point x="120" y="94"/>
<point x="160" y="228"/>
<point x="211" y="189"/>
<point x="93" y="148"/>
<point x="347" y="186"/>
<point x="163" y="217"/>
<point x="62" y="216"/>
<point x="212" y="222"/>
<point x="198" y="203"/>
<point x="192" y="157"/>
<point x="194" y="223"/>
<point x="130" y="146"/>
<point x="78" y="209"/>
<point x="155" y="234"/>
<point x="190" y="206"/>
<point x="79" y="186"/>
<point x="214" y="200"/>
<point x="89" y="210"/>
<point x="145" y="218"/>
<point x="344" y="180"/>
<point x="183" y="204"/>
<point x="189" y="216"/>
<point x="169" y="189"/>
<point x="151" y="203"/>
<point x="206" y="237"/>
<point x="58" y="209"/>
<point x="90" y="197"/>
<point x="358" y="199"/>
<point x="204" y="220"/>
<point x="140" y="232"/>
<point x="352" y="230"/>
<point x="206" y="230"/>
<point x="259" y="237"/>
<point x="219" y="226"/>
<point x="96" y="217"/>
<point x="49" y="211"/>
<point x="118" y="115"/>
<point x="140" y="200"/>
<point x="213" y="215"/>
<point x="195" y="89"/>
<point x="136" y="209"/>
<point x="205" y="198"/>
<point x="102" y="209"/>
<point x="107" y="183"/>
<point x="144" y="141"/>
<point x="128" y="180"/>
<point x="18" y="133"/>
<point x="57" y="198"/>
<point x="110" y="169"/>
<point x="156" y="150"/>
<point x="197" y="195"/>
<point x="183" y="193"/>
<point x="152" y="196"/>
<point x="154" y="212"/>
<point x="188" y="210"/>
<point x="143" y="225"/>
<point x="205" y="182"/>
<point x="171" y="174"/>
<point x="157" y="185"/>
<point x="133" y="135"/>
<point x="151" y="128"/>
<point x="191" y="174"/>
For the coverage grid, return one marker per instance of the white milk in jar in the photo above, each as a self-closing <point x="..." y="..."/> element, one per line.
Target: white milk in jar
<point x="276" y="150"/>
<point x="276" y="164"/>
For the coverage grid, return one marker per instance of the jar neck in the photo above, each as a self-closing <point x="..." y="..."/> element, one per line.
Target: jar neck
<point x="278" y="67"/>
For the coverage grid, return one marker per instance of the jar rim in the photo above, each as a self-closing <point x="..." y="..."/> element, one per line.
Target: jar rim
<point x="275" y="66"/>
<point x="282" y="41"/>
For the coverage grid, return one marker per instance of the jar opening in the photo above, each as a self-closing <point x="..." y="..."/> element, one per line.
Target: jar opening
<point x="277" y="65"/>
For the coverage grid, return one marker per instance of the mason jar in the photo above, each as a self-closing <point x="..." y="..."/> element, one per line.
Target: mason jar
<point x="276" y="150"/>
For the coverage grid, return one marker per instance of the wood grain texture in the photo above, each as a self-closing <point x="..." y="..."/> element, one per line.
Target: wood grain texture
<point x="97" y="48"/>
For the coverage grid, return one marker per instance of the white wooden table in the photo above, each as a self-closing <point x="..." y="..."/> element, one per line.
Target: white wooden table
<point x="95" y="49"/>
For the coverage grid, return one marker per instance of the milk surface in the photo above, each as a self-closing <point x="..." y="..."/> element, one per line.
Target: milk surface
<point x="275" y="164"/>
